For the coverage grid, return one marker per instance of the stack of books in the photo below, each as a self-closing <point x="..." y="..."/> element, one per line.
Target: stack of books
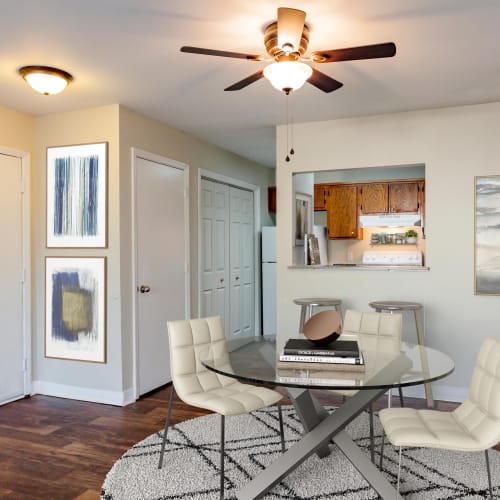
<point x="338" y="355"/>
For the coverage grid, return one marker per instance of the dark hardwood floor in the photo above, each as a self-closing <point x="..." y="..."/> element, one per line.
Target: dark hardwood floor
<point x="52" y="448"/>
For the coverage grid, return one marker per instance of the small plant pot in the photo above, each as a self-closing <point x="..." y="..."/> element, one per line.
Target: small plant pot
<point x="411" y="240"/>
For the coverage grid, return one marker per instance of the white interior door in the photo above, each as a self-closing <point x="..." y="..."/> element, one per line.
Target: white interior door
<point x="214" y="261"/>
<point x="242" y="267"/>
<point x="12" y="368"/>
<point x="162" y="256"/>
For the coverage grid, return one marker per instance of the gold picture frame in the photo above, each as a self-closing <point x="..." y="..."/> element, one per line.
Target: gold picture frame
<point x="75" y="308"/>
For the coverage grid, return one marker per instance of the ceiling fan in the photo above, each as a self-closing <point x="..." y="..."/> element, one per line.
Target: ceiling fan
<point x="286" y="41"/>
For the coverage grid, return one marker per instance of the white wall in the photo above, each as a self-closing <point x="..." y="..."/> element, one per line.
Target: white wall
<point x="454" y="144"/>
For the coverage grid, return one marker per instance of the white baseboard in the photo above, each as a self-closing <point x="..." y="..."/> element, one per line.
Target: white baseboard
<point x="116" y="398"/>
<point x="439" y="392"/>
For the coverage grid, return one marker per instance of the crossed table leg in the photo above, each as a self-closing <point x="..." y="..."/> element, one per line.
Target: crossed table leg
<point x="320" y="427"/>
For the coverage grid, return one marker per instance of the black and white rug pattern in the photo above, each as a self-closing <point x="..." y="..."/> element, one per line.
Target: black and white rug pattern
<point x="192" y="456"/>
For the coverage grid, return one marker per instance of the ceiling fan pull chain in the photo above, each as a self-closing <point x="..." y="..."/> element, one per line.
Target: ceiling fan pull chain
<point x="287" y="158"/>
<point x="292" y="152"/>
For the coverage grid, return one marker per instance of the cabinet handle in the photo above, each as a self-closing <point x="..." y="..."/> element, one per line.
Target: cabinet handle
<point x="222" y="280"/>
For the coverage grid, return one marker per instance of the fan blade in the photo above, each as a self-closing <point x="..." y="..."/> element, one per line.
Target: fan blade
<point x="290" y="27"/>
<point x="221" y="53"/>
<point x="354" y="53"/>
<point x="324" y="82"/>
<point x="246" y="81"/>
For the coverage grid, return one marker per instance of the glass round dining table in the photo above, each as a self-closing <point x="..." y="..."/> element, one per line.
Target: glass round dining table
<point x="387" y="363"/>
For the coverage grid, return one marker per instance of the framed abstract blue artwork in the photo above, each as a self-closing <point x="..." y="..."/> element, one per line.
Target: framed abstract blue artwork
<point x="75" y="308"/>
<point x="487" y="236"/>
<point x="76" y="196"/>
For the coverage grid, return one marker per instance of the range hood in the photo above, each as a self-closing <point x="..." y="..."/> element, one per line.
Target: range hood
<point x="390" y="220"/>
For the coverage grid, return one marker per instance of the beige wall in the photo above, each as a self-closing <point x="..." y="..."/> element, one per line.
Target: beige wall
<point x="454" y="144"/>
<point x="17" y="130"/>
<point x="155" y="137"/>
<point x="64" y="377"/>
<point x="111" y="382"/>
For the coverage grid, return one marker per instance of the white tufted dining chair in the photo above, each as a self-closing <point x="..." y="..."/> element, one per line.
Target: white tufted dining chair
<point x="368" y="328"/>
<point x="200" y="387"/>
<point x="472" y="426"/>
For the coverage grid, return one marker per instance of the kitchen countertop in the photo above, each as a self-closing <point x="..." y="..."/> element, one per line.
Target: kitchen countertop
<point x="362" y="267"/>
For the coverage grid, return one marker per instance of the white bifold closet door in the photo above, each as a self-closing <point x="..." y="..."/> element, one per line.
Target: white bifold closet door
<point x="227" y="249"/>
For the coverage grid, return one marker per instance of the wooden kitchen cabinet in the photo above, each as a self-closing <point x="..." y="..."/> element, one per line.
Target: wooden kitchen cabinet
<point x="421" y="202"/>
<point x="321" y="192"/>
<point x="403" y="197"/>
<point x="374" y="198"/>
<point x="342" y="216"/>
<point x="271" y="199"/>
<point x="391" y="197"/>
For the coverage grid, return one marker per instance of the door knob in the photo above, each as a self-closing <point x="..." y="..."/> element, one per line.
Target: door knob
<point x="144" y="289"/>
<point x="237" y="278"/>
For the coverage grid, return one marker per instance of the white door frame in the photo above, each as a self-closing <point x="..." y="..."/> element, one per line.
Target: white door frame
<point x="26" y="278"/>
<point x="139" y="153"/>
<point x="207" y="174"/>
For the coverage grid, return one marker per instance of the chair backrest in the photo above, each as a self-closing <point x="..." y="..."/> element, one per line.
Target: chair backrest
<point x="374" y="327"/>
<point x="187" y="340"/>
<point x="480" y="412"/>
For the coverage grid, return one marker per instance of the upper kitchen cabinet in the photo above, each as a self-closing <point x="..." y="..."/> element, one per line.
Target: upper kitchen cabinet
<point x="271" y="199"/>
<point x="321" y="192"/>
<point x="374" y="198"/>
<point x="403" y="197"/>
<point x="342" y="212"/>
<point x="391" y="197"/>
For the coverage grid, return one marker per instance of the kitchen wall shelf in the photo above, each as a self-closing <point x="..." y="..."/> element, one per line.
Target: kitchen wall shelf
<point x="393" y="244"/>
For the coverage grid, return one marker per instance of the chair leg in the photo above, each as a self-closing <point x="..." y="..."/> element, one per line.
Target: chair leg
<point x="282" y="434"/>
<point x="372" y="438"/>
<point x="489" y="472"/>
<point x="382" y="452"/>
<point x="167" y="423"/>
<point x="401" y="400"/>
<point x="399" y="468"/>
<point x="222" y="442"/>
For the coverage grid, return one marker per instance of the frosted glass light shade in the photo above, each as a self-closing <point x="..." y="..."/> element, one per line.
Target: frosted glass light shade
<point x="287" y="75"/>
<point x="45" y="79"/>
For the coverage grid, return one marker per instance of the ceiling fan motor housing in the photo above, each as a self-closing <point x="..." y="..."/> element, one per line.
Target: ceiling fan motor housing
<point x="277" y="52"/>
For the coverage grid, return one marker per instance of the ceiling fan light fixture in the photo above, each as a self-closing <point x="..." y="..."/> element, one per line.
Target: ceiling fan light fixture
<point x="287" y="76"/>
<point x="45" y="79"/>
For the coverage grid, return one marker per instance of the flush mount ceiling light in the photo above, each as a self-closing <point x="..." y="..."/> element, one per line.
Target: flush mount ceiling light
<point x="45" y="79"/>
<point x="287" y="75"/>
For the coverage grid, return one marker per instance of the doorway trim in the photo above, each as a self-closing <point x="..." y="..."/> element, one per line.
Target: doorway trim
<point x="231" y="181"/>
<point x="26" y="278"/>
<point x="137" y="153"/>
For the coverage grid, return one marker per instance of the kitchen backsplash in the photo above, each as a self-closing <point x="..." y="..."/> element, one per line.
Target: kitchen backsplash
<point x="383" y="238"/>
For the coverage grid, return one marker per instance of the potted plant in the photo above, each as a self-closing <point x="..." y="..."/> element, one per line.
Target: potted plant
<point x="411" y="236"/>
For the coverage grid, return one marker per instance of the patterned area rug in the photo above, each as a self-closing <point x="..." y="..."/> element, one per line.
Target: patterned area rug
<point x="191" y="464"/>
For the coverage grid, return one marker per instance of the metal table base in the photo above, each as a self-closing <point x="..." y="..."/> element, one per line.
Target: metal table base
<point x="330" y="426"/>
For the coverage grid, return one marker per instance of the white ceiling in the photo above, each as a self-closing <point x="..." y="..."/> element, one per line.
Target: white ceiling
<point x="127" y="52"/>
